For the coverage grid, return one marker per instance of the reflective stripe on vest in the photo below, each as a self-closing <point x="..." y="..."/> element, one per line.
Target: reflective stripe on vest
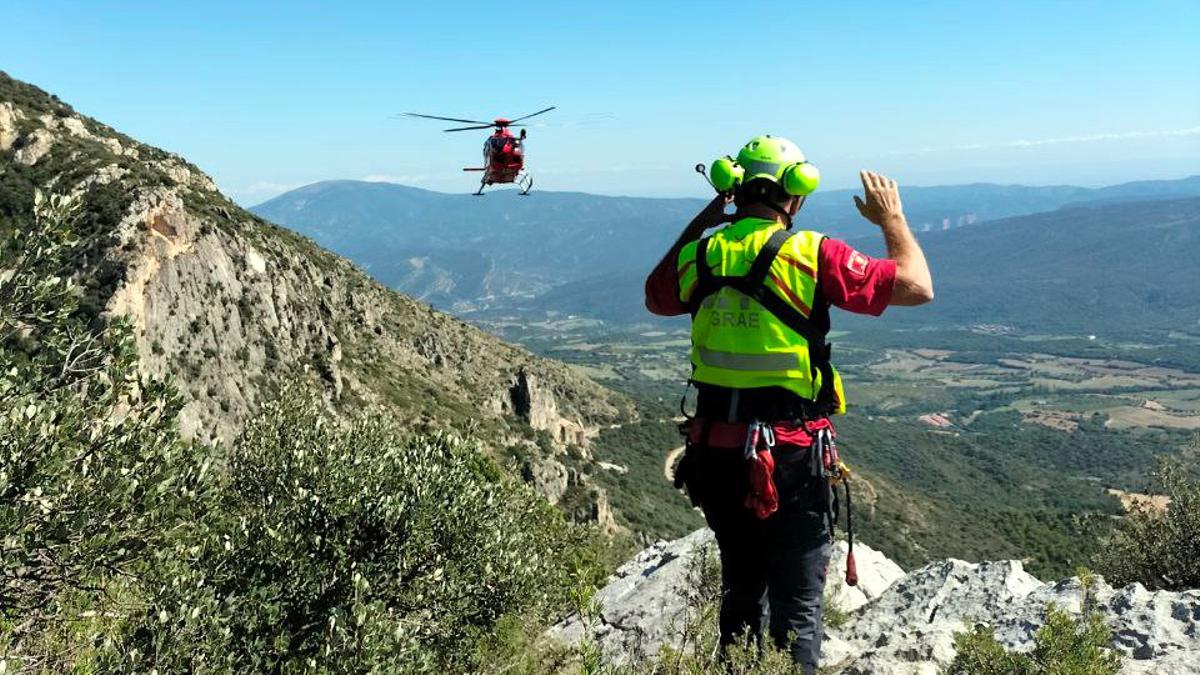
<point x="748" y="362"/>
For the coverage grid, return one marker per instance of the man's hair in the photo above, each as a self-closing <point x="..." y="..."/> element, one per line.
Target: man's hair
<point x="761" y="191"/>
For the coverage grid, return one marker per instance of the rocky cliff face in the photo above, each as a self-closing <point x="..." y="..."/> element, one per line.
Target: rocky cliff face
<point x="900" y="623"/>
<point x="228" y="305"/>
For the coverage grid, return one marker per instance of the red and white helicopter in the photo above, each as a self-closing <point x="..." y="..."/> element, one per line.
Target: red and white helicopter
<point x="503" y="153"/>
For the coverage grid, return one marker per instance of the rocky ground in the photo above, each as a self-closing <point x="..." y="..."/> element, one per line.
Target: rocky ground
<point x="899" y="622"/>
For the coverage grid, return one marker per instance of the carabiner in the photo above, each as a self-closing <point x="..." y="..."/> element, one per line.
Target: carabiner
<point x="753" y="430"/>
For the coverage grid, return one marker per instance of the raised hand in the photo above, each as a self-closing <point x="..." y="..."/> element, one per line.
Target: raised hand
<point x="883" y="198"/>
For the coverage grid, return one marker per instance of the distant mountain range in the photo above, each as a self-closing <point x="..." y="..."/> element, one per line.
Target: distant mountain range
<point x="456" y="250"/>
<point x="550" y="249"/>
<point x="1103" y="267"/>
<point x="1098" y="268"/>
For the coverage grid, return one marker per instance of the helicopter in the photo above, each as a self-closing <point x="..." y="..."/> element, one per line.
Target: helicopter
<point x="503" y="153"/>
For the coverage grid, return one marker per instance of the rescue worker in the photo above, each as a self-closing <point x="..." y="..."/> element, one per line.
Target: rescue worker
<point x="760" y="441"/>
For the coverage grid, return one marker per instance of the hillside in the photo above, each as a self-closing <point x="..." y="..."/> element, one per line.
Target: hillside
<point x="472" y="253"/>
<point x="1101" y="268"/>
<point x="229" y="306"/>
<point x="1076" y="268"/>
<point x="466" y="251"/>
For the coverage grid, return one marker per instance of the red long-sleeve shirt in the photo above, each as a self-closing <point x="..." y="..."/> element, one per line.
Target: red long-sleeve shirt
<point x="848" y="279"/>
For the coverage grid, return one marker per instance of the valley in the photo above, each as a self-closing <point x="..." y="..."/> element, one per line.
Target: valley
<point x="1057" y="363"/>
<point x="978" y="442"/>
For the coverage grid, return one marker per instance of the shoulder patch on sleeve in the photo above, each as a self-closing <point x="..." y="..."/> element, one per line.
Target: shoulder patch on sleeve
<point x="857" y="263"/>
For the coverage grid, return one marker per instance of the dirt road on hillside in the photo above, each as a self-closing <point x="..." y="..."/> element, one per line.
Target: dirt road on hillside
<point x="669" y="464"/>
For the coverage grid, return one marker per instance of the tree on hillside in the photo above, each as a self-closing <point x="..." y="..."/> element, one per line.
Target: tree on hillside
<point x="92" y="474"/>
<point x="1158" y="548"/>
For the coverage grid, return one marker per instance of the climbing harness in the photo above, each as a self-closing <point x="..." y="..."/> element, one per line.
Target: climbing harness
<point x="757" y="441"/>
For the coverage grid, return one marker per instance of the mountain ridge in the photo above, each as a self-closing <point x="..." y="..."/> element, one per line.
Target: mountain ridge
<point x="1149" y="242"/>
<point x="469" y="253"/>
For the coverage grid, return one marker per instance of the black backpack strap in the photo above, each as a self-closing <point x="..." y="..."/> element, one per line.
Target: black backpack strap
<point x="707" y="283"/>
<point x="766" y="257"/>
<point x="704" y="275"/>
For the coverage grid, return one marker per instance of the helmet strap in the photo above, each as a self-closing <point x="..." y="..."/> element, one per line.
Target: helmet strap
<point x="787" y="217"/>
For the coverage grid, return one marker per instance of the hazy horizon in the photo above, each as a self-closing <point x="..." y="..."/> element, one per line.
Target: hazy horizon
<point x="499" y="189"/>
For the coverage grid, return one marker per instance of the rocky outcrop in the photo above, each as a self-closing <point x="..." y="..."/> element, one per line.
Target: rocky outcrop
<point x="530" y="400"/>
<point x="547" y="476"/>
<point x="910" y="627"/>
<point x="644" y="604"/>
<point x="900" y="623"/>
<point x="32" y="147"/>
<point x="8" y="126"/>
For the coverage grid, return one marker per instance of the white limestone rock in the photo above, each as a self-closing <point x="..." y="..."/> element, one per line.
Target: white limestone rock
<point x="8" y="126"/>
<point x="903" y="623"/>
<point x="876" y="572"/>
<point x="644" y="601"/>
<point x="35" y="147"/>
<point x="644" y="604"/>
<point x="912" y="624"/>
<point x="76" y="127"/>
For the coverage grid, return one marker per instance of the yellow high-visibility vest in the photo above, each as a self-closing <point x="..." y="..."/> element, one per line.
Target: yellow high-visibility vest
<point x="736" y="341"/>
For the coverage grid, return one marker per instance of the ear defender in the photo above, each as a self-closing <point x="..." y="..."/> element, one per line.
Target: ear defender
<point x="800" y="180"/>
<point x="725" y="174"/>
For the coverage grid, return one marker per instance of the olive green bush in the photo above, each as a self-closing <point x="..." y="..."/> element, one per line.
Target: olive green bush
<point x="1160" y="550"/>
<point x="92" y="475"/>
<point x="310" y="545"/>
<point x="1064" y="645"/>
<point x="346" y="547"/>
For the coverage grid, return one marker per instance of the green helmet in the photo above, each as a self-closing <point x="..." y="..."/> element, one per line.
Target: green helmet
<point x="772" y="158"/>
<point x="767" y="156"/>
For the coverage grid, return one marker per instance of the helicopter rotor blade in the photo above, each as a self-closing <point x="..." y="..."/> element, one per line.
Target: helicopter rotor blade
<point x="482" y="126"/>
<point x="446" y="119"/>
<point x="534" y="114"/>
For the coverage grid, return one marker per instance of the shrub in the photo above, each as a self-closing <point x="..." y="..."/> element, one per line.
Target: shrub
<point x="348" y="547"/>
<point x="92" y="475"/>
<point x="310" y="545"/>
<point x="979" y="653"/>
<point x="1064" y="645"/>
<point x="1158" y="549"/>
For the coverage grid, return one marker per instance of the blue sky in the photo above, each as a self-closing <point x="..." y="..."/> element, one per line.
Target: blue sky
<point x="272" y="96"/>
